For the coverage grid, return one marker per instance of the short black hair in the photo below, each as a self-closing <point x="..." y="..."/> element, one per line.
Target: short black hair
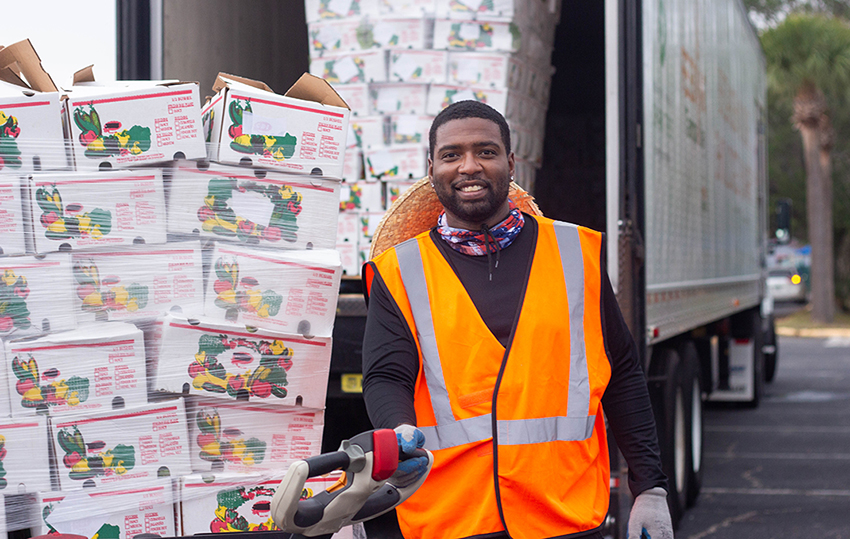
<point x="469" y="109"/>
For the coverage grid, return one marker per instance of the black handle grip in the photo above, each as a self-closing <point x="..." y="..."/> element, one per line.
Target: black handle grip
<point x="322" y="464"/>
<point x="407" y="456"/>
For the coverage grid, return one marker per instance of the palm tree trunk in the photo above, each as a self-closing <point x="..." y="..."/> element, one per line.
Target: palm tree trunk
<point x="811" y="120"/>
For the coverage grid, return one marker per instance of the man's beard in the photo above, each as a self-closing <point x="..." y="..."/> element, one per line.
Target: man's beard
<point x="478" y="211"/>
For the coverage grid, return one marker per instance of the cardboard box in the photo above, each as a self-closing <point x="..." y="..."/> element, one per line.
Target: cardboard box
<point x="36" y="295"/>
<point x="496" y="70"/>
<point x="443" y="95"/>
<point x="348" y="254"/>
<point x="14" y="222"/>
<point x="369" y="221"/>
<point x="538" y="16"/>
<point x="400" y="162"/>
<point x="396" y="98"/>
<point x="253" y="206"/>
<point x="31" y="136"/>
<point x="407" y="8"/>
<point x="125" y="511"/>
<point x="130" y="446"/>
<point x="393" y="190"/>
<point x="228" y="361"/>
<point x="365" y="195"/>
<point x="240" y="437"/>
<point x="368" y="33"/>
<point x="410" y="128"/>
<point x="81" y="211"/>
<point x="357" y="98"/>
<point x="290" y="291"/>
<point x="125" y="127"/>
<point x="24" y="464"/>
<point x="98" y="367"/>
<point x="302" y="131"/>
<point x="485" y="36"/>
<point x="233" y="503"/>
<point x="369" y="131"/>
<point x="417" y="65"/>
<point x="353" y="169"/>
<point x="137" y="282"/>
<point x="321" y="10"/>
<point x="347" y="229"/>
<point x="351" y="67"/>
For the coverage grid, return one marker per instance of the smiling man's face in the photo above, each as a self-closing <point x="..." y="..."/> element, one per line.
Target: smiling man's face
<point x="471" y="172"/>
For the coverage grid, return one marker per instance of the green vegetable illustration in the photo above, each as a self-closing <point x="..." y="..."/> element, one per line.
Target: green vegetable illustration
<point x="278" y="148"/>
<point x="235" y="294"/>
<point x="10" y="155"/>
<point x="67" y="222"/>
<point x="219" y="218"/>
<point x="89" y="460"/>
<point x="107" y="140"/>
<point x="13" y="305"/>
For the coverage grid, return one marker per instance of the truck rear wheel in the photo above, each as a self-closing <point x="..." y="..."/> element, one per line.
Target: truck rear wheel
<point x="771" y="350"/>
<point x="692" y="388"/>
<point x="672" y="423"/>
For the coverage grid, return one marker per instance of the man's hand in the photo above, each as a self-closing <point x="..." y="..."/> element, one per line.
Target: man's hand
<point x="650" y="516"/>
<point x="409" y="471"/>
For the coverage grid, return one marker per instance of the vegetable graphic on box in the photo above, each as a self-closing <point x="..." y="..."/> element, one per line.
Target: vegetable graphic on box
<point x="378" y="174"/>
<point x="207" y="121"/>
<point x="102" y="296"/>
<point x="257" y="368"/>
<point x="52" y="392"/>
<point x="366" y="37"/>
<point x="484" y="39"/>
<point x="65" y="223"/>
<point x="276" y="147"/>
<point x="3" y="481"/>
<point x="13" y="306"/>
<point x="460" y="6"/>
<point x="326" y="9"/>
<point x="219" y="218"/>
<point x="330" y="75"/>
<point x="107" y="140"/>
<point x="226" y="445"/>
<point x="228" y="518"/>
<point x="448" y="98"/>
<point x="235" y="294"/>
<point x="353" y="202"/>
<point x="89" y="460"/>
<point x="107" y="531"/>
<point x="10" y="155"/>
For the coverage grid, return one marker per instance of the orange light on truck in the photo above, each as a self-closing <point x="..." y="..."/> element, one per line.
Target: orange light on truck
<point x="796" y="279"/>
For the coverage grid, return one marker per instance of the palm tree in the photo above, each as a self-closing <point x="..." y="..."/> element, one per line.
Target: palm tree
<point x="808" y="60"/>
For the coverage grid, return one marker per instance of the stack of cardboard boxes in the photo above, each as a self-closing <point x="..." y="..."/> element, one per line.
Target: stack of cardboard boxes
<point x="168" y="285"/>
<point x="398" y="63"/>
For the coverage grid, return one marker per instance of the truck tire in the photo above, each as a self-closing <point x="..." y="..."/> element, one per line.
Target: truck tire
<point x="672" y="421"/>
<point x="771" y="350"/>
<point x="692" y="391"/>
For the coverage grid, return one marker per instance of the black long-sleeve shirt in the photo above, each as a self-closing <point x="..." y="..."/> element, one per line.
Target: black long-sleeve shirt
<point x="391" y="359"/>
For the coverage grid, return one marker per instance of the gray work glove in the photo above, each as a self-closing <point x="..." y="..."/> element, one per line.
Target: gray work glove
<point x="409" y="471"/>
<point x="650" y="516"/>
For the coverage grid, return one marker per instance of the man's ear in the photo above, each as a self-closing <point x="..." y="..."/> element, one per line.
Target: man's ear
<point x="431" y="169"/>
<point x="511" y="164"/>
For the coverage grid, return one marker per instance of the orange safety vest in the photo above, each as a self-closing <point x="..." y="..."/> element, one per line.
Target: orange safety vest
<point x="518" y="437"/>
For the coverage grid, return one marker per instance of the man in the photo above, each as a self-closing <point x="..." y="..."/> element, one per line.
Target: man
<point x="497" y="334"/>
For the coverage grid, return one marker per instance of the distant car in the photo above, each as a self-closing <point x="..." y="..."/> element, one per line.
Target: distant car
<point x="785" y="284"/>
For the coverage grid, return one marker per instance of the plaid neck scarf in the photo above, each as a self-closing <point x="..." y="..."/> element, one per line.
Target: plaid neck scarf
<point x="485" y="241"/>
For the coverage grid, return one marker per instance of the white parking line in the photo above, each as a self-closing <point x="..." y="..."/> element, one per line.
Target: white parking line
<point x="784" y="429"/>
<point x="778" y="456"/>
<point x="837" y="342"/>
<point x="776" y="491"/>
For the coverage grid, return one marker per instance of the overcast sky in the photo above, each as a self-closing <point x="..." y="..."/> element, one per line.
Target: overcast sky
<point x="67" y="35"/>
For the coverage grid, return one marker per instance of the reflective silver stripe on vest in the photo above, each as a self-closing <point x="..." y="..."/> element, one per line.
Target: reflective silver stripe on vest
<point x="569" y="246"/>
<point x="413" y="276"/>
<point x="449" y="432"/>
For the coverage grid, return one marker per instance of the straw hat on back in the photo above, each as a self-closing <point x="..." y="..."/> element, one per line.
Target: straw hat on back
<point x="417" y="210"/>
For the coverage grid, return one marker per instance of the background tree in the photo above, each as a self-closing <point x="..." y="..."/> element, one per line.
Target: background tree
<point x="808" y="59"/>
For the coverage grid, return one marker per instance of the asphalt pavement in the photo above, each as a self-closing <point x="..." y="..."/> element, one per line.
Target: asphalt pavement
<point x="781" y="470"/>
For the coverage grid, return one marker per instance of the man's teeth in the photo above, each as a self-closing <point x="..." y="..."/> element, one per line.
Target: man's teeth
<point x="471" y="188"/>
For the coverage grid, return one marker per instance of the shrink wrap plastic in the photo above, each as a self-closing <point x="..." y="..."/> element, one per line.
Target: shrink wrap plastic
<point x="160" y="319"/>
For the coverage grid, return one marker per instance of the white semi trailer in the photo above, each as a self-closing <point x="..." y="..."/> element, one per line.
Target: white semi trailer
<point x="655" y="135"/>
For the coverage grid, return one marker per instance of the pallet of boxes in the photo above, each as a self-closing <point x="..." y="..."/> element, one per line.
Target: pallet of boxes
<point x="398" y="63"/>
<point x="169" y="285"/>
